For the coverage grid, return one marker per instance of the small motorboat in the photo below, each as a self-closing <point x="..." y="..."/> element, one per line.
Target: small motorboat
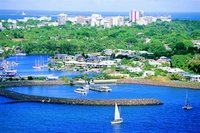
<point x="81" y="91"/>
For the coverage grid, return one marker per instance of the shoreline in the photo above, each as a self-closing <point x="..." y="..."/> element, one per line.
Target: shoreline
<point x="177" y="84"/>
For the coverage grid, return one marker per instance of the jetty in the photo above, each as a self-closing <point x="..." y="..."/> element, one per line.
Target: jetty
<point x="19" y="97"/>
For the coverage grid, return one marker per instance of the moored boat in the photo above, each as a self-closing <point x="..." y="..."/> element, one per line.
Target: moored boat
<point x="9" y="72"/>
<point x="102" y="88"/>
<point x="81" y="91"/>
<point x="21" y="54"/>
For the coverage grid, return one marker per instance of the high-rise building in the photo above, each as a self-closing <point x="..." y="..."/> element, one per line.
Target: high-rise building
<point x="118" y="21"/>
<point x="141" y="13"/>
<point x="134" y="16"/>
<point x="96" y="19"/>
<point x="62" y="18"/>
<point x="80" y="20"/>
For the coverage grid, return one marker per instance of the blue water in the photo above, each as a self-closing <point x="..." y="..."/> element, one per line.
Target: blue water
<point x="40" y="117"/>
<point x="25" y="68"/>
<point x="17" y="14"/>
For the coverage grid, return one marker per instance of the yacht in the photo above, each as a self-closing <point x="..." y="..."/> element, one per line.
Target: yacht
<point x="187" y="106"/>
<point x="117" y="118"/>
<point x="86" y="87"/>
<point x="102" y="88"/>
<point x="105" y="88"/>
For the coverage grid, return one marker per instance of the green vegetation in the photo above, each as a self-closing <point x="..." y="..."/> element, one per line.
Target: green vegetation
<point x="176" y="76"/>
<point x="187" y="62"/>
<point x="104" y="76"/>
<point x="65" y="79"/>
<point x="165" y="39"/>
<point x="83" y="39"/>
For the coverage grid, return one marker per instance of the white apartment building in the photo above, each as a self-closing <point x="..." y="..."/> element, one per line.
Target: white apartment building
<point x="96" y="20"/>
<point x="62" y="19"/>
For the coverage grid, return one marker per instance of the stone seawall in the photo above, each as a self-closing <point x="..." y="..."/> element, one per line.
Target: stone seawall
<point x="31" y="83"/>
<point x="177" y="84"/>
<point x="30" y="98"/>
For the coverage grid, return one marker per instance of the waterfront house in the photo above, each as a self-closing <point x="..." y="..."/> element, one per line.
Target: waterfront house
<point x="134" y="69"/>
<point x="171" y="70"/>
<point x="154" y="63"/>
<point x="163" y="59"/>
<point x="175" y="70"/>
<point x="119" y="75"/>
<point x="61" y="56"/>
<point x="148" y="73"/>
<point x="193" y="77"/>
<point x="107" y="63"/>
<point x="80" y="57"/>
<point x="108" y="52"/>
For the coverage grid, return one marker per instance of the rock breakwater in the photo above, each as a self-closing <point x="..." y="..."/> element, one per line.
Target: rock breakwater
<point x="30" y="98"/>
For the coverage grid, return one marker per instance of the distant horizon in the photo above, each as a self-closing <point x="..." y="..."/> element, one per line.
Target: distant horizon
<point x="102" y="5"/>
<point x="103" y="11"/>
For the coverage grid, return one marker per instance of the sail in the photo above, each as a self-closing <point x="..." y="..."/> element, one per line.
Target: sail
<point x="186" y="100"/>
<point x="117" y="115"/>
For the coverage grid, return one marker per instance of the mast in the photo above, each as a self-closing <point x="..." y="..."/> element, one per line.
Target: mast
<point x="186" y="100"/>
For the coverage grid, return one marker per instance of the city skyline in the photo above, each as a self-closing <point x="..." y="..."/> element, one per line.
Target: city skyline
<point x="103" y="5"/>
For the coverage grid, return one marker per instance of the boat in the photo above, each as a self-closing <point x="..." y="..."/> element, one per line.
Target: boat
<point x="52" y="78"/>
<point x="81" y="91"/>
<point x="86" y="87"/>
<point x="37" y="65"/>
<point x="21" y="54"/>
<point x="105" y="88"/>
<point x="117" y="118"/>
<point x="10" y="72"/>
<point x="23" y="13"/>
<point x="187" y="106"/>
<point x="102" y="88"/>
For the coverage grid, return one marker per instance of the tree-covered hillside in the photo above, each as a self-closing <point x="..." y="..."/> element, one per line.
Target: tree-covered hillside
<point x="160" y="38"/>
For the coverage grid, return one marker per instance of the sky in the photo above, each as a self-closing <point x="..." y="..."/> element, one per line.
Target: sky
<point x="103" y="5"/>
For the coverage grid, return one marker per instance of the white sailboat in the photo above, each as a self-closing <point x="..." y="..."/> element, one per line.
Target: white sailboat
<point x="117" y="118"/>
<point x="187" y="106"/>
<point x="37" y="65"/>
<point x="23" y="13"/>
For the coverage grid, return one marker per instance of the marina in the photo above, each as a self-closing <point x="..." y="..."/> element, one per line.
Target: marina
<point x="50" y="90"/>
<point x="133" y="116"/>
